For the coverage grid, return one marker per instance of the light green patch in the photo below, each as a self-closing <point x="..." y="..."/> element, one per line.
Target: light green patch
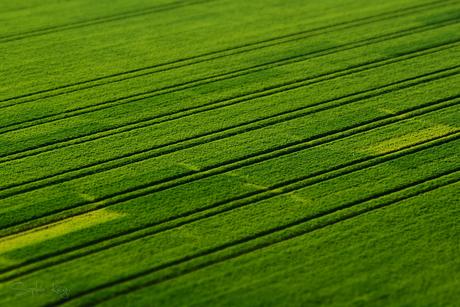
<point x="388" y="111"/>
<point x="52" y="231"/>
<point x="410" y="138"/>
<point x="297" y="198"/>
<point x="7" y="262"/>
<point x="190" y="166"/>
<point x="87" y="196"/>
<point x="260" y="187"/>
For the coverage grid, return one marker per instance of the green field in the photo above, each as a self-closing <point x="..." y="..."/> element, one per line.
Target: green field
<point x="229" y="153"/>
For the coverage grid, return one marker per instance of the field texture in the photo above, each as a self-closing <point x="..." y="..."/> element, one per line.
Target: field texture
<point x="229" y="153"/>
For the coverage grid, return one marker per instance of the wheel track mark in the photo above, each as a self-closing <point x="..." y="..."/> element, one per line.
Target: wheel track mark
<point x="156" y="187"/>
<point x="284" y="188"/>
<point x="213" y="136"/>
<point x="75" y="141"/>
<point x="236" y="243"/>
<point x="218" y="103"/>
<point x="194" y="57"/>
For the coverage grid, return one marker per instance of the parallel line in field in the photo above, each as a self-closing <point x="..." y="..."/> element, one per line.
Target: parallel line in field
<point x="413" y="192"/>
<point x="260" y="67"/>
<point x="266" y="155"/>
<point x="227" y="205"/>
<point x="256" y="124"/>
<point x="217" y="53"/>
<point x="221" y="134"/>
<point x="208" y="80"/>
<point x="31" y="151"/>
<point x="214" y="104"/>
<point x="249" y="250"/>
<point x="284" y="237"/>
<point x="101" y="20"/>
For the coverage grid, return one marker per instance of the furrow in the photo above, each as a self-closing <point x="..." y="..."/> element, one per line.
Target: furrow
<point x="238" y="73"/>
<point x="345" y="216"/>
<point x="213" y="106"/>
<point x="225" y="206"/>
<point x="102" y="166"/>
<point x="218" y="55"/>
<point x="162" y="185"/>
<point x="233" y="100"/>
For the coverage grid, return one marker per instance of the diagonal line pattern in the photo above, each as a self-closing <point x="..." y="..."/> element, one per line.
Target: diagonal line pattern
<point x="230" y="204"/>
<point x="398" y="198"/>
<point x="237" y="50"/>
<point x="225" y="167"/>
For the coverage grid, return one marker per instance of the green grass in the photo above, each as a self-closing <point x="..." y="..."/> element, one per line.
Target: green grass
<point x="226" y="153"/>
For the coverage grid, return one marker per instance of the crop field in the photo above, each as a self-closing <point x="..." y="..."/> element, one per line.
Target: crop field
<point x="229" y="153"/>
